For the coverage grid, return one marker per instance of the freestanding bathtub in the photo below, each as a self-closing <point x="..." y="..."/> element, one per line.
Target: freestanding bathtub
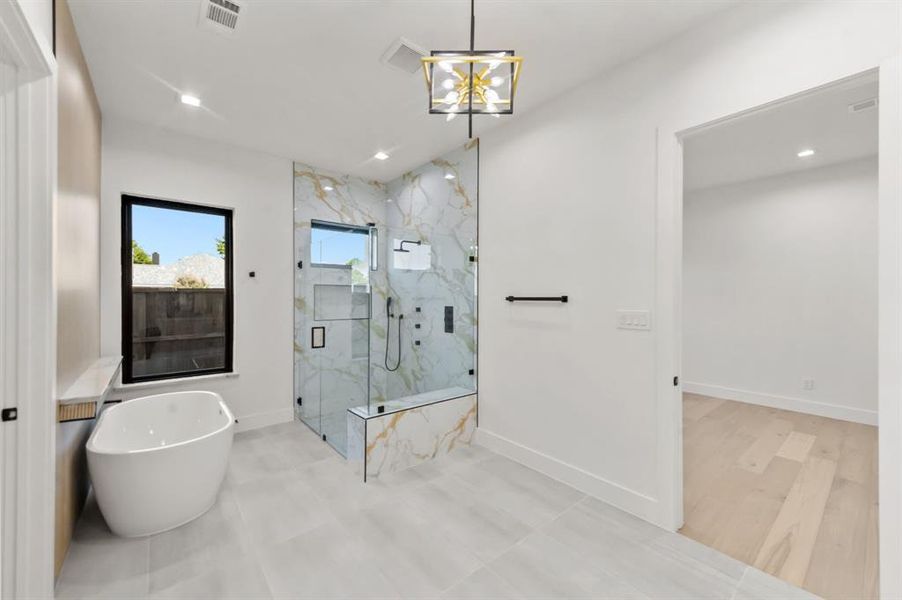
<point x="157" y="462"/>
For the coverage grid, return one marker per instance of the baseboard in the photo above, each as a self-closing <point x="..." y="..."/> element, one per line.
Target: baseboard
<point x="635" y="503"/>
<point x="810" y="407"/>
<point x="257" y="420"/>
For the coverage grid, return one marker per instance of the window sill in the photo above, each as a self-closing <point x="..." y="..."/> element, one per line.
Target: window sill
<point x="176" y="381"/>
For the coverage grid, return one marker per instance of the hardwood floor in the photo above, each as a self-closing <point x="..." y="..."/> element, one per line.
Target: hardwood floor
<point x="792" y="494"/>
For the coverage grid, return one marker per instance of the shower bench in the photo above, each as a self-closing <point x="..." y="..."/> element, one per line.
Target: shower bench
<point x="410" y="430"/>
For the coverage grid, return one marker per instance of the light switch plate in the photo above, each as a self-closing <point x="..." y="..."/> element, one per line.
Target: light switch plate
<point x="634" y="319"/>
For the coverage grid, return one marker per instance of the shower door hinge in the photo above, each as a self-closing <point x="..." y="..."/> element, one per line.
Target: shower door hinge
<point x="9" y="414"/>
<point x="300" y="264"/>
<point x="676" y="380"/>
<point x="300" y="401"/>
<point x="324" y="437"/>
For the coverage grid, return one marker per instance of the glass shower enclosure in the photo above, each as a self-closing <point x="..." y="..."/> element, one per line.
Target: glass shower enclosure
<point x="385" y="291"/>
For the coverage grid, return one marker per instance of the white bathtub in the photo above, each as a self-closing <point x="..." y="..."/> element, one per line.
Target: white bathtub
<point x="157" y="462"/>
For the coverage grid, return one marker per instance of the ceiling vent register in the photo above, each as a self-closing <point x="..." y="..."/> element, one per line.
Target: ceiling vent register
<point x="220" y="15"/>
<point x="863" y="105"/>
<point x="404" y="56"/>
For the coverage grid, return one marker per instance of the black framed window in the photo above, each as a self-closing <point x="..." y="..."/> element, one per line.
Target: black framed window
<point x="177" y="305"/>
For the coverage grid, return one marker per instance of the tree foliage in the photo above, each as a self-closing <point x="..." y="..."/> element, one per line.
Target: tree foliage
<point x="139" y="256"/>
<point x="191" y="281"/>
<point x="220" y="247"/>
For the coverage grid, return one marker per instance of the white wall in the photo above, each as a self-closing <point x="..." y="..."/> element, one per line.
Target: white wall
<point x="39" y="14"/>
<point x="149" y="161"/>
<point x="568" y="205"/>
<point x="779" y="285"/>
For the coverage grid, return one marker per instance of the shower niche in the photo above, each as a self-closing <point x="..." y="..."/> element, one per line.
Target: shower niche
<point x="385" y="310"/>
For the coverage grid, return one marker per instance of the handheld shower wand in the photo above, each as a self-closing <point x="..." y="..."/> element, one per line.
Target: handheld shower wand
<point x="389" y="315"/>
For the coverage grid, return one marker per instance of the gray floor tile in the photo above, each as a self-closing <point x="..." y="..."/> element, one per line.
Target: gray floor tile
<point x="527" y="494"/>
<point x="235" y="579"/>
<point x="658" y="564"/>
<point x="758" y="585"/>
<point x="481" y="585"/>
<point x="337" y="484"/>
<point x="541" y="567"/>
<point x="455" y="510"/>
<point x="413" y="554"/>
<point x="110" y="568"/>
<point x="294" y="520"/>
<point x="199" y="546"/>
<point x="277" y="508"/>
<point x="253" y="458"/>
<point x="325" y="562"/>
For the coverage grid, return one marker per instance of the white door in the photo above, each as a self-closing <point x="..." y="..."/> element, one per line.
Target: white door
<point x="7" y="356"/>
<point x="28" y="133"/>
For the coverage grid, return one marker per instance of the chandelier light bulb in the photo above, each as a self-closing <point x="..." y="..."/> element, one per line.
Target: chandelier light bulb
<point x="448" y="84"/>
<point x="497" y="81"/>
<point x="446" y="66"/>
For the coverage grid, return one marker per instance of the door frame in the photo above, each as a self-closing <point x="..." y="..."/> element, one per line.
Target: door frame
<point x="669" y="215"/>
<point x="27" y="306"/>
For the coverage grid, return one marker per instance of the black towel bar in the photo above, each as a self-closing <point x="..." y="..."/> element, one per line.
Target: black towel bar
<point x="536" y="298"/>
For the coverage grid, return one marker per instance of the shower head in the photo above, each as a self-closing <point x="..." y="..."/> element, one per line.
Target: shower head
<point x="401" y="248"/>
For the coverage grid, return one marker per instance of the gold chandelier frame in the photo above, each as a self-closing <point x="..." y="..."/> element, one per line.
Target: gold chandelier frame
<point x="472" y="59"/>
<point x="472" y="86"/>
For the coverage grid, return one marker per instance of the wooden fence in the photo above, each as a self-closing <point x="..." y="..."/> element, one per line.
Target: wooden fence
<point x="177" y="329"/>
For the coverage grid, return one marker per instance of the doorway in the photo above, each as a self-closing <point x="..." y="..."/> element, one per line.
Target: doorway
<point x="779" y="340"/>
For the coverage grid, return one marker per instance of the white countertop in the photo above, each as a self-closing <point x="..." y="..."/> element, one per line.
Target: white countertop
<point x="95" y="382"/>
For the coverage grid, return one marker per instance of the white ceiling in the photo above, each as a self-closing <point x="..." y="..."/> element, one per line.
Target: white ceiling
<point x="766" y="142"/>
<point x="303" y="79"/>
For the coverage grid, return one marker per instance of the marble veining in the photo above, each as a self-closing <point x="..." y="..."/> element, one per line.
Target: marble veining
<point x="406" y="438"/>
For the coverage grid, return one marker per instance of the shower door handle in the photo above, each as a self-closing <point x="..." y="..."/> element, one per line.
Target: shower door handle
<point x="373" y="249"/>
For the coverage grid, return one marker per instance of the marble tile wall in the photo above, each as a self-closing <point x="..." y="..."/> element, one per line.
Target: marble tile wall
<point x="434" y="204"/>
<point x="429" y="206"/>
<point x="403" y="439"/>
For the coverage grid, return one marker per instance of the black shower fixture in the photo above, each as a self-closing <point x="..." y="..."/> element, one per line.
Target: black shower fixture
<point x="400" y="247"/>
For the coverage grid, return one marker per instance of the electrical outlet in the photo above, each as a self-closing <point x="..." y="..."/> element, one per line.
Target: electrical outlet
<point x="807" y="384"/>
<point x="633" y="319"/>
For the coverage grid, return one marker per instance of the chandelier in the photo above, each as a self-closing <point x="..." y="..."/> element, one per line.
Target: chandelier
<point x="471" y="82"/>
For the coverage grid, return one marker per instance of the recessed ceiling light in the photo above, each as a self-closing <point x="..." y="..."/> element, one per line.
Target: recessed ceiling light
<point x="190" y="100"/>
<point x="449" y="175"/>
<point x="380" y="155"/>
<point x="805" y="153"/>
<point x="328" y="188"/>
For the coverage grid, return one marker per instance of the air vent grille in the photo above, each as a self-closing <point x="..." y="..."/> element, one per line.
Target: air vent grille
<point x="404" y="56"/>
<point x="220" y="15"/>
<point x="863" y="105"/>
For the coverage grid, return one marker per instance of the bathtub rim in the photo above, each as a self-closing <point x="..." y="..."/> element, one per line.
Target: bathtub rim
<point x="91" y="446"/>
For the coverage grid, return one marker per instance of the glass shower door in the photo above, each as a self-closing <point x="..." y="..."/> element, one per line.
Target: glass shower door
<point x="426" y="335"/>
<point x="337" y="292"/>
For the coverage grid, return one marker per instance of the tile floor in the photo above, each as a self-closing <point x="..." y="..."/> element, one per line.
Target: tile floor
<point x="293" y="521"/>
